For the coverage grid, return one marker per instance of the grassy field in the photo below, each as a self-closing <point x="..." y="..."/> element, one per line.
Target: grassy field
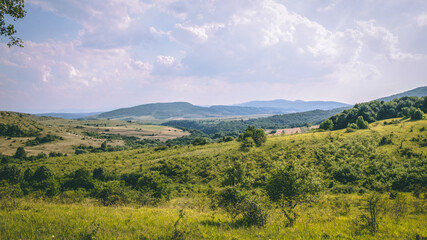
<point x="328" y="219"/>
<point x="73" y="133"/>
<point x="350" y="163"/>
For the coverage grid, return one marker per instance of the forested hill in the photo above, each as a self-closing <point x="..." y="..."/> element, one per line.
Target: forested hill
<point x="407" y="107"/>
<point x="273" y="122"/>
<point x="296" y="106"/>
<point x="184" y="110"/>
<point x="417" y="92"/>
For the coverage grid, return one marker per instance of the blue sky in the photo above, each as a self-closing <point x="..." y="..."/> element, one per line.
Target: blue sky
<point x="104" y="54"/>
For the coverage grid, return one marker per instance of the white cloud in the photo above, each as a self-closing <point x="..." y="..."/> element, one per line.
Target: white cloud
<point x="166" y="60"/>
<point x="422" y="20"/>
<point x="202" y="33"/>
<point x="331" y="6"/>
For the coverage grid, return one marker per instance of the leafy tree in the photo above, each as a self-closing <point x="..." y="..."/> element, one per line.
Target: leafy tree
<point x="417" y="114"/>
<point x="252" y="136"/>
<point x="15" y="9"/>
<point x="361" y="124"/>
<point x="235" y="174"/>
<point x="327" y="125"/>
<point x="20" y="153"/>
<point x="247" y="143"/>
<point x="10" y="173"/>
<point x="259" y="137"/>
<point x="199" y="141"/>
<point x="42" y="173"/>
<point x="290" y="185"/>
<point x="156" y="184"/>
<point x="81" y="178"/>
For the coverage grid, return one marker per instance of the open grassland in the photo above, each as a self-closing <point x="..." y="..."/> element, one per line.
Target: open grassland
<point x="389" y="158"/>
<point x="74" y="133"/>
<point x="407" y="137"/>
<point x="330" y="218"/>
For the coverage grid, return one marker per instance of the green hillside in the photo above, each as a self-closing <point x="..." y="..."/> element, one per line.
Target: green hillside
<point x="182" y="110"/>
<point x="417" y="92"/>
<point x="148" y="188"/>
<point x="273" y="122"/>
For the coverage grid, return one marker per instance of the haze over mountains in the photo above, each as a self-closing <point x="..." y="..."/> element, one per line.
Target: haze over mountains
<point x="185" y="110"/>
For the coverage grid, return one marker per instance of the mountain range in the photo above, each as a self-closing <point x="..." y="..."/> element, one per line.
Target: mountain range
<point x="185" y="110"/>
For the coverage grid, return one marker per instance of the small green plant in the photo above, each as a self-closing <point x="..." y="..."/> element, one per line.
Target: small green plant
<point x="370" y="219"/>
<point x="178" y="234"/>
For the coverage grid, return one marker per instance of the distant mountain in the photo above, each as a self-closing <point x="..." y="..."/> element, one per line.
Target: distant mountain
<point x="417" y="92"/>
<point x="289" y="120"/>
<point x="295" y="106"/>
<point x="177" y="110"/>
<point x="67" y="115"/>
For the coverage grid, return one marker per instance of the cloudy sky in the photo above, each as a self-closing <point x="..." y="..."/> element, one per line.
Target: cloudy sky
<point x="103" y="54"/>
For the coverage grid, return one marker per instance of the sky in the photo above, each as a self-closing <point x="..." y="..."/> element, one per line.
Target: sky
<point x="98" y="55"/>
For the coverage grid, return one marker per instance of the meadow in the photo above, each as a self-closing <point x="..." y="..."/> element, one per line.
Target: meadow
<point x="186" y="186"/>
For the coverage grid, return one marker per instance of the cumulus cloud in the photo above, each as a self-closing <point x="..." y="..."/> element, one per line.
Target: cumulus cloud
<point x="135" y="51"/>
<point x="422" y="20"/>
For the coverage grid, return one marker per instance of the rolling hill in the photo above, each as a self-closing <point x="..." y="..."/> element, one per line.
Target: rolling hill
<point x="417" y="92"/>
<point x="186" y="110"/>
<point x="295" y="106"/>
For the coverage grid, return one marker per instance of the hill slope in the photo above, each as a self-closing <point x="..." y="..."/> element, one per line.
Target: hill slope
<point x="289" y="120"/>
<point x="417" y="92"/>
<point x="295" y="106"/>
<point x="183" y="110"/>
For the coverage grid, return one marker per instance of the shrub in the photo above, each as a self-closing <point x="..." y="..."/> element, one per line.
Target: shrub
<point x="81" y="178"/>
<point x="416" y="114"/>
<point x="20" y="153"/>
<point x="290" y="185"/>
<point x="156" y="184"/>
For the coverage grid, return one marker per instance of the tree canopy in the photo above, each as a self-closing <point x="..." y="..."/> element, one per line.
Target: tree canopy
<point x="15" y="9"/>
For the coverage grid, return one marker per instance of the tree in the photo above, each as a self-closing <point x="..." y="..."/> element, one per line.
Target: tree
<point x="290" y="185"/>
<point x="15" y="9"/>
<point x="361" y="124"/>
<point x="259" y="137"/>
<point x="252" y="136"/>
<point x="327" y="125"/>
<point x="417" y="114"/>
<point x="20" y="153"/>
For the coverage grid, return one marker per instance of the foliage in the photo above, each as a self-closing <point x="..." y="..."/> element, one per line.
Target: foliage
<point x="250" y="207"/>
<point x="15" y="9"/>
<point x="155" y="184"/>
<point x="233" y="128"/>
<point x="370" y="220"/>
<point x="251" y="137"/>
<point x="290" y="185"/>
<point x="20" y="153"/>
<point x="360" y="123"/>
<point x="376" y="110"/>
<point x="40" y="140"/>
<point x="327" y="125"/>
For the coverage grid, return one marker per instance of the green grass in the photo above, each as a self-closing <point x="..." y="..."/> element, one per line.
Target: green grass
<point x="333" y="216"/>
<point x="36" y="219"/>
<point x="72" y="131"/>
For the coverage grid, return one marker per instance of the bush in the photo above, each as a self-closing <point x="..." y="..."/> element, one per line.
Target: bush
<point x="290" y="185"/>
<point x="81" y="178"/>
<point x="20" y="153"/>
<point x="156" y="184"/>
<point x="251" y="208"/>
<point x="416" y="114"/>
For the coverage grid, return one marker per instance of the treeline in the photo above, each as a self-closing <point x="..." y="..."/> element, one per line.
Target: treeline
<point x="235" y="127"/>
<point x="11" y="130"/>
<point x="45" y="139"/>
<point x="107" y="187"/>
<point x="407" y="107"/>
